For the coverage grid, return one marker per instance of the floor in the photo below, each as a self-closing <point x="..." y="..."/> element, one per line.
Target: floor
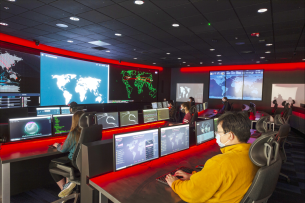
<point x="293" y="192"/>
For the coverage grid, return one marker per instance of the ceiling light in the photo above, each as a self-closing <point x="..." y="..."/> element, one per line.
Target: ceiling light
<point x="268" y="45"/>
<point x="183" y="62"/>
<point x="139" y="2"/>
<point x="6" y="8"/>
<point x="262" y="10"/>
<point x="70" y="41"/>
<point x="219" y="60"/>
<point x="154" y="63"/>
<point x="61" y="25"/>
<point x="118" y="34"/>
<point x="168" y="53"/>
<point x="212" y="49"/>
<point x="212" y="61"/>
<point x="200" y="62"/>
<point x="220" y="63"/>
<point x="218" y="55"/>
<point x="11" y="0"/>
<point x="5" y="24"/>
<point x="236" y="37"/>
<point x="179" y="58"/>
<point x="257" y="61"/>
<point x="268" y="52"/>
<point x="74" y="18"/>
<point x="134" y="58"/>
<point x="262" y="57"/>
<point x="107" y="51"/>
<point x="303" y="59"/>
<point x="188" y="65"/>
<point x="175" y="25"/>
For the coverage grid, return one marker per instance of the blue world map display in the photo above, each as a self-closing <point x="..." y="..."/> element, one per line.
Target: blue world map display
<point x="64" y="80"/>
<point x="246" y="85"/>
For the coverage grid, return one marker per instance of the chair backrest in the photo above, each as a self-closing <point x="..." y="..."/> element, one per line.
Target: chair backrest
<point x="264" y="152"/>
<point x="261" y="125"/>
<point x="282" y="133"/>
<point x="232" y="106"/>
<point x="274" y="109"/>
<point x="91" y="132"/>
<point x="278" y="120"/>
<point x="193" y="109"/>
<point x="194" y="119"/>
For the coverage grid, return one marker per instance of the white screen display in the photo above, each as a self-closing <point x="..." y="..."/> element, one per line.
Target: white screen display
<point x="186" y="90"/>
<point x="288" y="92"/>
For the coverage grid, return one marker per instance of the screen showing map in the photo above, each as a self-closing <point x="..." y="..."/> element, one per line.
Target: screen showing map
<point x="204" y="131"/>
<point x="19" y="72"/>
<point x="253" y="84"/>
<point x="150" y="115"/>
<point x="174" y="139"/>
<point x="64" y="80"/>
<point x="137" y="84"/>
<point x="108" y="120"/>
<point x="129" y="118"/>
<point x="217" y="84"/>
<point x="47" y="111"/>
<point x="62" y="123"/>
<point x="135" y="148"/>
<point x="186" y="90"/>
<point x="234" y="84"/>
<point x="28" y="128"/>
<point x="163" y="114"/>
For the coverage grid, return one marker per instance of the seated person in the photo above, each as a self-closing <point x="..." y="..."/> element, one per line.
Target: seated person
<point x="226" y="105"/>
<point x="193" y="108"/>
<point x="185" y="107"/>
<point x="73" y="107"/>
<point x="225" y="177"/>
<point x="172" y="110"/>
<point x="68" y="146"/>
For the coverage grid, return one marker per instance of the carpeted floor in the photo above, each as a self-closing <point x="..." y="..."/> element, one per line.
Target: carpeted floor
<point x="292" y="192"/>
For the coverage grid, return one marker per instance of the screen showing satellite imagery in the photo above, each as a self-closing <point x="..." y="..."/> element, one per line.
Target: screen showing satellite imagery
<point x="129" y="118"/>
<point x="186" y="90"/>
<point x="62" y="123"/>
<point x="234" y="84"/>
<point x="204" y="131"/>
<point x="135" y="148"/>
<point x="64" y="80"/>
<point x="28" y="128"/>
<point x="253" y="84"/>
<point x="108" y="120"/>
<point x="19" y="72"/>
<point x="174" y="139"/>
<point x="150" y="115"/>
<point x="139" y="85"/>
<point x="217" y="84"/>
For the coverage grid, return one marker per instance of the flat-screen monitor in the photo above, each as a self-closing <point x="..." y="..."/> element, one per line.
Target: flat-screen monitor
<point x="159" y="105"/>
<point x="150" y="115"/>
<point x="174" y="139"/>
<point x="205" y="105"/>
<point x="65" y="110"/>
<point x="62" y="123"/>
<point x="186" y="90"/>
<point x="31" y="127"/>
<point x="108" y="120"/>
<point x="165" y="104"/>
<point x="135" y="148"/>
<point x="204" y="131"/>
<point x="47" y="111"/>
<point x="163" y="114"/>
<point x="200" y="107"/>
<point x="215" y="124"/>
<point x="129" y="118"/>
<point x="154" y="105"/>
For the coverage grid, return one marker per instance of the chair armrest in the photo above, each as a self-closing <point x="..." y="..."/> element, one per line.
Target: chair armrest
<point x="68" y="169"/>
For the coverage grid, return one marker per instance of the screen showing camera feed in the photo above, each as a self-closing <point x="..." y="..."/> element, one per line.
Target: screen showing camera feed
<point x="204" y="131"/>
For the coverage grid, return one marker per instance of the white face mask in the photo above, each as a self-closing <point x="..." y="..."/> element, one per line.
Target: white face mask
<point x="219" y="142"/>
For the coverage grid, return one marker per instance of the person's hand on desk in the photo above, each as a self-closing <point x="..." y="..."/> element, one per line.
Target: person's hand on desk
<point x="184" y="175"/>
<point x="56" y="144"/>
<point x="170" y="179"/>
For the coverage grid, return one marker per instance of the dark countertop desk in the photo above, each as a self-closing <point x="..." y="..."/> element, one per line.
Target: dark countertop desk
<point x="138" y="184"/>
<point x="208" y="113"/>
<point x="258" y="115"/>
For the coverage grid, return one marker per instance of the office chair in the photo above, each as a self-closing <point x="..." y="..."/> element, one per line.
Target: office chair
<point x="261" y="127"/>
<point x="193" y="110"/>
<point x="91" y="132"/>
<point x="264" y="152"/>
<point x="273" y="112"/>
<point x="194" y="119"/>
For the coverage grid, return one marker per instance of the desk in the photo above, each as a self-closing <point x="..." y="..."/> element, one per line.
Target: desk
<point x="208" y="113"/>
<point x="138" y="184"/>
<point x="258" y="115"/>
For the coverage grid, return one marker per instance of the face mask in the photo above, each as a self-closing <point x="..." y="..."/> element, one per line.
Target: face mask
<point x="219" y="142"/>
<point x="182" y="110"/>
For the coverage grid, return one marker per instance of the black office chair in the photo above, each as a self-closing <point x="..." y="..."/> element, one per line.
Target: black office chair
<point x="91" y="132"/>
<point x="264" y="152"/>
<point x="194" y="119"/>
<point x="273" y="112"/>
<point x="261" y="127"/>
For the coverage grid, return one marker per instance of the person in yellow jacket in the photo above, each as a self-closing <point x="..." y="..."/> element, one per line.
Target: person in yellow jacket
<point x="225" y="177"/>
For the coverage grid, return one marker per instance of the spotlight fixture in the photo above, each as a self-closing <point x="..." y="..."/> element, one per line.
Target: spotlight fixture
<point x="107" y="51"/>
<point x="118" y="34"/>
<point x="175" y="25"/>
<point x="188" y="65"/>
<point x="139" y="2"/>
<point x="61" y="25"/>
<point x="268" y="45"/>
<point x="262" y="10"/>
<point x="268" y="52"/>
<point x="135" y="58"/>
<point x="219" y="60"/>
<point x="4" y="24"/>
<point x="218" y="55"/>
<point x="262" y="57"/>
<point x="70" y="41"/>
<point x="168" y="53"/>
<point x="183" y="62"/>
<point x="154" y="63"/>
<point x="74" y="18"/>
<point x="179" y="58"/>
<point x="212" y="49"/>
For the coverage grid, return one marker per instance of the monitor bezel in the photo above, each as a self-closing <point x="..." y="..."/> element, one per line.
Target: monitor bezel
<point x="131" y="124"/>
<point x="118" y="119"/>
<point x="150" y="110"/>
<point x="163" y="119"/>
<point x="114" y="152"/>
<point x="160" y="139"/>
<point x="196" y="131"/>
<point x="53" y="123"/>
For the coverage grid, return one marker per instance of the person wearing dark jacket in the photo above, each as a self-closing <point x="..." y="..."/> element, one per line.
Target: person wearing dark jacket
<point x="192" y="105"/>
<point x="172" y="110"/>
<point x="226" y="105"/>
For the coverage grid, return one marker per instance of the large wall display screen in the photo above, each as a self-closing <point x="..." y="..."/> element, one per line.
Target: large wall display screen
<point x="64" y="80"/>
<point x="237" y="84"/>
<point x="186" y="90"/>
<point x="288" y="92"/>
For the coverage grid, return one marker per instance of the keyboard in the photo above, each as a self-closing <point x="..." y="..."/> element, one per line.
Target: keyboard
<point x="182" y="168"/>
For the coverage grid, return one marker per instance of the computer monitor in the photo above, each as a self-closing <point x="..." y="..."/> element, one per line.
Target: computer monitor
<point x="159" y="105"/>
<point x="174" y="139"/>
<point x="154" y="105"/>
<point x="29" y="128"/>
<point x="65" y="110"/>
<point x="163" y="114"/>
<point x="215" y="124"/>
<point x="200" y="107"/>
<point x="165" y="104"/>
<point x="62" y="123"/>
<point x="108" y="120"/>
<point x="129" y="118"/>
<point x="47" y="111"/>
<point x="150" y="115"/>
<point x="204" y="131"/>
<point x="135" y="148"/>
<point x="205" y="105"/>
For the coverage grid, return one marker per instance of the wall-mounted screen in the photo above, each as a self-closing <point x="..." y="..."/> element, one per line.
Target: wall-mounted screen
<point x="129" y="118"/>
<point x="64" y="80"/>
<point x="288" y="92"/>
<point x="186" y="90"/>
<point x="108" y="120"/>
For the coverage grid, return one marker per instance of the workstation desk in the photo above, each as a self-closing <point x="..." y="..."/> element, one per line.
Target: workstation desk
<point x="259" y="115"/>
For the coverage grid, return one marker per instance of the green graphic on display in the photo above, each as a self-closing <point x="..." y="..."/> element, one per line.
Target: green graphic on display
<point x="141" y="79"/>
<point x="58" y="127"/>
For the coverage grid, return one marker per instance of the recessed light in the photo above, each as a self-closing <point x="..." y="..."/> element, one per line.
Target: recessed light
<point x="200" y="62"/>
<point x="303" y="59"/>
<point x="268" y="45"/>
<point x="218" y="55"/>
<point x="135" y="58"/>
<point x="118" y="34"/>
<point x="220" y="63"/>
<point x="236" y="37"/>
<point x="262" y="10"/>
<point x="175" y="25"/>
<point x="70" y="41"/>
<point x="179" y="58"/>
<point x="154" y="63"/>
<point x="61" y="25"/>
<point x="139" y="2"/>
<point x="212" y="49"/>
<point x="268" y="52"/>
<point x="5" y="24"/>
<point x="212" y="61"/>
<point x="188" y="65"/>
<point x="11" y="0"/>
<point x="74" y="18"/>
<point x="107" y="51"/>
<point x="219" y="60"/>
<point x="262" y="57"/>
<point x="6" y="8"/>
<point x="168" y="53"/>
<point x="183" y="62"/>
<point x="257" y="61"/>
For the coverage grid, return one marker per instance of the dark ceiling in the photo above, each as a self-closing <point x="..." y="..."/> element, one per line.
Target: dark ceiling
<point x="148" y="34"/>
